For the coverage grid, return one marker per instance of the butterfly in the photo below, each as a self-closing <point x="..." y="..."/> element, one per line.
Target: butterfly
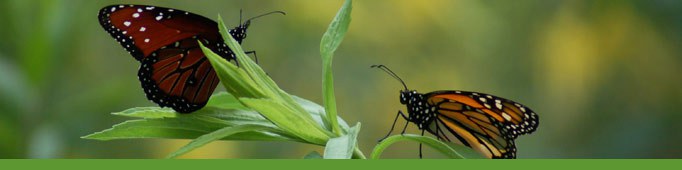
<point x="174" y="72"/>
<point x="486" y="123"/>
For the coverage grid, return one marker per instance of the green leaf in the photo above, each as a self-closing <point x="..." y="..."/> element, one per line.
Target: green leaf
<point x="223" y="100"/>
<point x="236" y="81"/>
<point x="431" y="142"/>
<point x="181" y="128"/>
<point x="313" y="155"/>
<point x="154" y="128"/>
<point x="188" y="126"/>
<point x="336" y="31"/>
<point x="342" y="147"/>
<point x="315" y="110"/>
<point x="254" y="72"/>
<point x="148" y="112"/>
<point x="285" y="118"/>
<point x="257" y="75"/>
<point x="216" y="135"/>
<point x="220" y="100"/>
<point x="318" y="113"/>
<point x="265" y="84"/>
<point x="330" y="41"/>
<point x="215" y="115"/>
<point x="274" y="104"/>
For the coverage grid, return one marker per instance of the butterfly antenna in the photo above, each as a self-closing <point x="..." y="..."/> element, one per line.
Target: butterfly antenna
<point x="391" y="73"/>
<point x="281" y="12"/>
<point x="240" y="16"/>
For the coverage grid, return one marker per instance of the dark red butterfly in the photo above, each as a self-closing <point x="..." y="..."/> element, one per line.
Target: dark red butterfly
<point x="174" y="71"/>
<point x="484" y="122"/>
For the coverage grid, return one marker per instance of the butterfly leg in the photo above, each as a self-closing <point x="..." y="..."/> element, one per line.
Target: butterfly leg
<point x="420" y="146"/>
<point x="407" y="121"/>
<point x="405" y="128"/>
<point x="255" y="58"/>
<point x="392" y="126"/>
<point x="439" y="132"/>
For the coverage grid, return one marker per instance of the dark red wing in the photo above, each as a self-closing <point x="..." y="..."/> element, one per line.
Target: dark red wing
<point x="179" y="77"/>
<point x="141" y="30"/>
<point x="174" y="71"/>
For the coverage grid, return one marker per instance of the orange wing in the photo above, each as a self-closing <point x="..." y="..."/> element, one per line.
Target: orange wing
<point x="486" y="123"/>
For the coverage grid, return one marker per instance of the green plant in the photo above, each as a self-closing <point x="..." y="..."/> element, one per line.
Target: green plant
<point x="255" y="108"/>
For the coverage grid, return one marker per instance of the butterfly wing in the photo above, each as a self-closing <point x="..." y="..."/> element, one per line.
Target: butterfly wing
<point x="179" y="77"/>
<point x="174" y="71"/>
<point x="486" y="123"/>
<point x="142" y="30"/>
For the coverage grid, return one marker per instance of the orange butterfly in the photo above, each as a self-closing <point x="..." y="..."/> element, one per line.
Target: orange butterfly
<point x="486" y="123"/>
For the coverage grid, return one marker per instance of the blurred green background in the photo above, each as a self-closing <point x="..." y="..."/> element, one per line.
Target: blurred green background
<point x="604" y="76"/>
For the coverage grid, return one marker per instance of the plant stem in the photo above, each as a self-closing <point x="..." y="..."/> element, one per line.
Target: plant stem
<point x="431" y="142"/>
<point x="357" y="154"/>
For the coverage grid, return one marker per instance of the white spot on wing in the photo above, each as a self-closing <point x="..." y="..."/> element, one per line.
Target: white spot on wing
<point x="127" y="23"/>
<point x="158" y="18"/>
<point x="142" y="29"/>
<point x="136" y="15"/>
<point x="146" y="40"/>
<point x="506" y="116"/>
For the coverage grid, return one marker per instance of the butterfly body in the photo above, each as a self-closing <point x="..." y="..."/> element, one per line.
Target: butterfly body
<point x="174" y="72"/>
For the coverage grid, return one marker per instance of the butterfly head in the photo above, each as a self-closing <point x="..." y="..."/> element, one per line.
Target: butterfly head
<point x="407" y="95"/>
<point x="239" y="32"/>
